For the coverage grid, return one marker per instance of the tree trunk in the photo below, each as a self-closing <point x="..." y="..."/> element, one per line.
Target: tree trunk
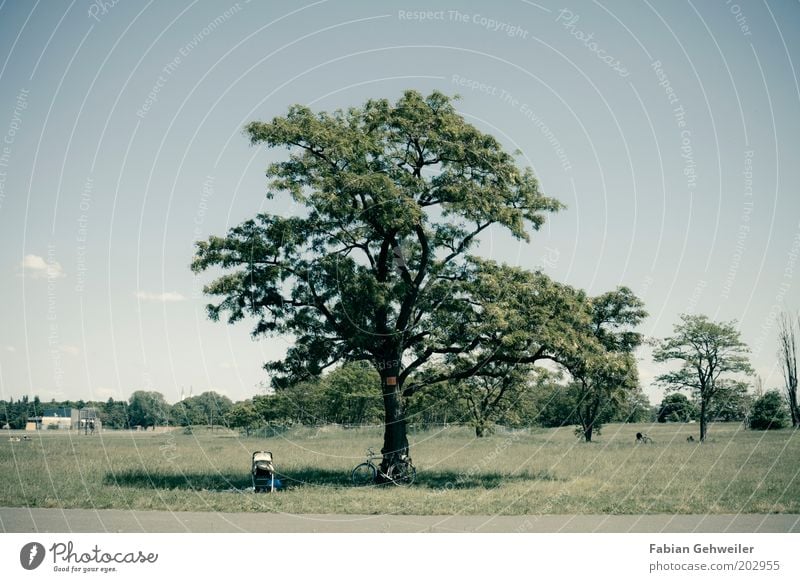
<point x="482" y="429"/>
<point x="587" y="433"/>
<point x="793" y="409"/>
<point x="395" y="439"/>
<point x="703" y="420"/>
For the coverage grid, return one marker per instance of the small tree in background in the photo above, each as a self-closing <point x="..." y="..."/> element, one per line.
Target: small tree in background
<point x="708" y="351"/>
<point x="602" y="362"/>
<point x="769" y="412"/>
<point x="148" y="408"/>
<point x="676" y="407"/>
<point x="349" y="394"/>
<point x="492" y="394"/>
<point x="244" y="416"/>
<point x="732" y="402"/>
<point x="635" y="407"/>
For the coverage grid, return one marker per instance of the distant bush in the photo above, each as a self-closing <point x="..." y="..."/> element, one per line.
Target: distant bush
<point x="769" y="412"/>
<point x="676" y="408"/>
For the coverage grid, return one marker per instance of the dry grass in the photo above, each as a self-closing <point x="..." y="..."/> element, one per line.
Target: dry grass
<point x="525" y="472"/>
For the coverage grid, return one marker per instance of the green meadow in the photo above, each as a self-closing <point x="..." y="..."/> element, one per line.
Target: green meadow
<point x="537" y="471"/>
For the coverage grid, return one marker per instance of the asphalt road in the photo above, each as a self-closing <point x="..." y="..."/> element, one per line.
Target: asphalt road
<point x="40" y="520"/>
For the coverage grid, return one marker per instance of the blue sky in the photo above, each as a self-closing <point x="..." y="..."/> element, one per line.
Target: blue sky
<point x="670" y="131"/>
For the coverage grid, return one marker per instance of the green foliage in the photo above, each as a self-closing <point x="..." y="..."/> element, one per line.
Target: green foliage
<point x="676" y="407"/>
<point x="634" y="406"/>
<point x="351" y="395"/>
<point x="377" y="265"/>
<point x="207" y="408"/>
<point x="707" y="350"/>
<point x="148" y="408"/>
<point x="601" y="362"/>
<point x="16" y="414"/>
<point x="492" y="393"/>
<point x="396" y="195"/>
<point x="436" y="405"/>
<point x="769" y="412"/>
<point x="244" y="416"/>
<point x="556" y="404"/>
<point x="731" y="403"/>
<point x="114" y="414"/>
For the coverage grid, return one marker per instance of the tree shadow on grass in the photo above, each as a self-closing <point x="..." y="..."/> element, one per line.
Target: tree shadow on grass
<point x="310" y="476"/>
<point x="455" y="480"/>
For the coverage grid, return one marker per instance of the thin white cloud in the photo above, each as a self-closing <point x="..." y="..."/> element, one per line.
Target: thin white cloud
<point x="37" y="267"/>
<point x="168" y="297"/>
<point x="10" y="349"/>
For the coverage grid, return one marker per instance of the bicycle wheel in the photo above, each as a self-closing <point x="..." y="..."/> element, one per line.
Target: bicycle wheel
<point x="402" y="474"/>
<point x="363" y="474"/>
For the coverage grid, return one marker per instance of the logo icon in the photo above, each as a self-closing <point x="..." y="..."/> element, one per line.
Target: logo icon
<point x="31" y="555"/>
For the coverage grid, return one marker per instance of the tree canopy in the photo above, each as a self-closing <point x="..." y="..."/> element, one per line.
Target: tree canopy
<point x="602" y="363"/>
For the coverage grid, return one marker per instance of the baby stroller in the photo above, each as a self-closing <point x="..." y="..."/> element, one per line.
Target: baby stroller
<point x="264" y="472"/>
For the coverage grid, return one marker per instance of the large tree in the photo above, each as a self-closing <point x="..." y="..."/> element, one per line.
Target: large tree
<point x="787" y="353"/>
<point x="709" y="352"/>
<point x="376" y="265"/>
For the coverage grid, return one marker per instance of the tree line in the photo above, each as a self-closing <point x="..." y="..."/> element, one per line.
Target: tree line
<point x="347" y="396"/>
<point x="144" y="409"/>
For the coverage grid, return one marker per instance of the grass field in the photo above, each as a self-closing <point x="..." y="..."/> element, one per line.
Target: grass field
<point x="543" y="471"/>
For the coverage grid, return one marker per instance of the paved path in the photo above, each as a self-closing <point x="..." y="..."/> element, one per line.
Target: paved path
<point x="113" y="520"/>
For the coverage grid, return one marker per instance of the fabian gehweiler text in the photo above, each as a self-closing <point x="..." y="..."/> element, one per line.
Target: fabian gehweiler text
<point x="700" y="549"/>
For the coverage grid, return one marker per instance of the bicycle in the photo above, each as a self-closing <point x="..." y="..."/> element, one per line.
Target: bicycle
<point x="401" y="472"/>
